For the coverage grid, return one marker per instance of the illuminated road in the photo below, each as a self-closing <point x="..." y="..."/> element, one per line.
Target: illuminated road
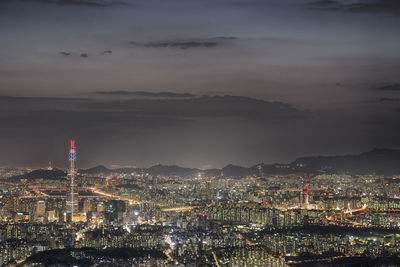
<point x="215" y="259"/>
<point x="114" y="196"/>
<point x="325" y="259"/>
<point x="355" y="212"/>
<point x="181" y="209"/>
<point x="168" y="252"/>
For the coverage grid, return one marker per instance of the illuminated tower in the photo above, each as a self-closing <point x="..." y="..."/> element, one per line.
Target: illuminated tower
<point x="72" y="200"/>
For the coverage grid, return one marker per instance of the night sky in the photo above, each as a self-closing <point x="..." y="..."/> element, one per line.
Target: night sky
<point x="197" y="83"/>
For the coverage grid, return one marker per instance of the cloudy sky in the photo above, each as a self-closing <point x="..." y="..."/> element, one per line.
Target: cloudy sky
<point x="198" y="83"/>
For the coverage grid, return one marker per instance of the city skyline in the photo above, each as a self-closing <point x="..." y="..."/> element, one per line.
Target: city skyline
<point x="212" y="133"/>
<point x="317" y="210"/>
<point x="379" y="161"/>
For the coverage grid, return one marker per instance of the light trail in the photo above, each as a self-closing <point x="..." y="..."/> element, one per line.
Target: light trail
<point x="181" y="209"/>
<point x="351" y="213"/>
<point x="215" y="258"/>
<point x="114" y="196"/>
<point x="168" y="252"/>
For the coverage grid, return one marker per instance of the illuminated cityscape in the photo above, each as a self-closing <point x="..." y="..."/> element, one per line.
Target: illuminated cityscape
<point x="272" y="215"/>
<point x="199" y="133"/>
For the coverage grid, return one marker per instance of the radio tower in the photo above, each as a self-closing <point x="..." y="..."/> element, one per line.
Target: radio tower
<point x="72" y="204"/>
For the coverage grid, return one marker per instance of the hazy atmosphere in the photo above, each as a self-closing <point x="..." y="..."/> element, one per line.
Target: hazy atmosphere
<point x="197" y="83"/>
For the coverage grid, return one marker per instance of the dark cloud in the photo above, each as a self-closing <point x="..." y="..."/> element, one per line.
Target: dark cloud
<point x="146" y="94"/>
<point x="106" y="52"/>
<point x="108" y="123"/>
<point x="226" y="37"/>
<point x="87" y="112"/>
<point x="186" y="44"/>
<point x="325" y="5"/>
<point x="391" y="87"/>
<point x="175" y="106"/>
<point x="377" y="6"/>
<point x="90" y="3"/>
<point x="132" y="129"/>
<point x="178" y="44"/>
<point x="207" y="106"/>
<point x="85" y="55"/>
<point x="182" y="45"/>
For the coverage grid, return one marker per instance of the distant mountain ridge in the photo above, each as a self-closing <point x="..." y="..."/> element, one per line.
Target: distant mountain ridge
<point x="99" y="169"/>
<point x="379" y="161"/>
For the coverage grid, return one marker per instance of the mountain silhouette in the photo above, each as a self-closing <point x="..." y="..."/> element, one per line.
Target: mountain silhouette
<point x="379" y="160"/>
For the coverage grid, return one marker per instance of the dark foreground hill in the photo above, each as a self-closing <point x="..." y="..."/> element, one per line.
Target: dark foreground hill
<point x="90" y="256"/>
<point x="54" y="174"/>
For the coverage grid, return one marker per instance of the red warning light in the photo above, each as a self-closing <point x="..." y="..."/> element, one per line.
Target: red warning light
<point x="305" y="188"/>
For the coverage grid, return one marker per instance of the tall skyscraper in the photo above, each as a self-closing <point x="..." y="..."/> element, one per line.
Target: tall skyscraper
<point x="72" y="199"/>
